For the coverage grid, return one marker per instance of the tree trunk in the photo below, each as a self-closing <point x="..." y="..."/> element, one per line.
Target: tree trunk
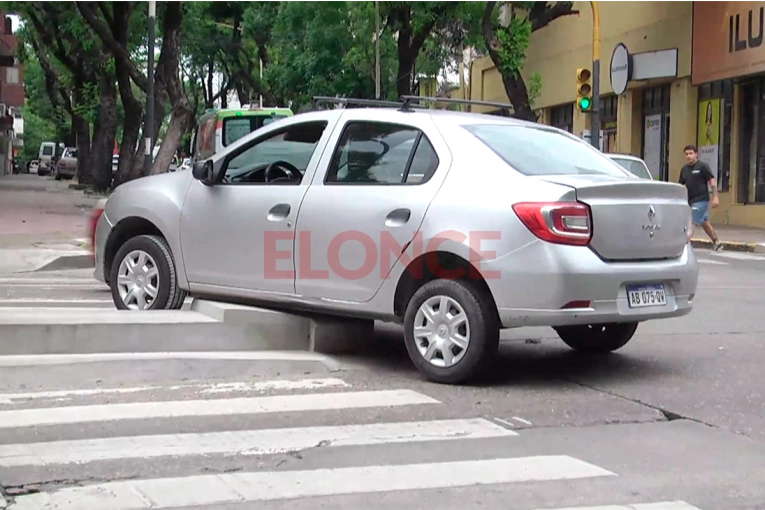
<point x="82" y="130"/>
<point x="105" y="132"/>
<point x="181" y="115"/>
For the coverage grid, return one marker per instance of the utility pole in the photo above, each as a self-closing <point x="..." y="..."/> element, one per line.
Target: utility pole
<point x="148" y="129"/>
<point x="377" y="49"/>
<point x="595" y="119"/>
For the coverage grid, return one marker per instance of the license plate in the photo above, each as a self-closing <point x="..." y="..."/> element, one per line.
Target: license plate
<point x="641" y="296"/>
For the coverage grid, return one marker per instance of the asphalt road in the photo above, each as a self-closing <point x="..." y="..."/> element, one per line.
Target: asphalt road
<point x="676" y="416"/>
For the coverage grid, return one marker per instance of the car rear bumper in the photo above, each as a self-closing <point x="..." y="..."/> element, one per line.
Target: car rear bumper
<point x="553" y="285"/>
<point x="69" y="172"/>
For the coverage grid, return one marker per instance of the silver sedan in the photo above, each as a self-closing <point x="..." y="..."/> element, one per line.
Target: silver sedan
<point x="456" y="225"/>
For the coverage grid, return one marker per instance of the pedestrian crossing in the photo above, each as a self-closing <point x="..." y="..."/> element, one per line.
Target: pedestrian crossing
<point x="56" y="289"/>
<point x="364" y="442"/>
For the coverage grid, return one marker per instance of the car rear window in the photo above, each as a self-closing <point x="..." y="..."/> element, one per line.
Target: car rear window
<point x="539" y="150"/>
<point x="636" y="168"/>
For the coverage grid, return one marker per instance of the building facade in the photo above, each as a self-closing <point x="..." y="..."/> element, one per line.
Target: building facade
<point x="696" y="76"/>
<point x="11" y="96"/>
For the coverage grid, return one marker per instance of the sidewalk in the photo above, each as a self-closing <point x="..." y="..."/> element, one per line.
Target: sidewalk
<point x="745" y="239"/>
<point x="42" y="222"/>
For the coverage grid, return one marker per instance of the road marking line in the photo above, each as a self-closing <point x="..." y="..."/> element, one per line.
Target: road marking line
<point x="215" y="407"/>
<point x="30" y="360"/>
<point x="712" y="262"/>
<point x="260" y="386"/>
<point x="246" y="442"/>
<point x="269" y="486"/>
<point x="663" y="505"/>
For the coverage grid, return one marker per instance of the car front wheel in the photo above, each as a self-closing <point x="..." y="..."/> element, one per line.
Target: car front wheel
<point x="449" y="336"/>
<point x="143" y="276"/>
<point x="597" y="338"/>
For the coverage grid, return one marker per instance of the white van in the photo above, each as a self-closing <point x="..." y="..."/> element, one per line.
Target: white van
<point x="46" y="155"/>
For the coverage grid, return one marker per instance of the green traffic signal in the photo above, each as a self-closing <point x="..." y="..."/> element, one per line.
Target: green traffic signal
<point x="585" y="103"/>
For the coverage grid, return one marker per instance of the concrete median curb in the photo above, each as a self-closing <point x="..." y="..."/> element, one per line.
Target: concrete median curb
<point x="63" y="262"/>
<point x="208" y="327"/>
<point x="731" y="245"/>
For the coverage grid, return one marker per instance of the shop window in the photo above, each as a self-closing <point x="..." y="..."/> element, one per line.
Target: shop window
<point x="562" y="117"/>
<point x="608" y="115"/>
<point x="656" y="119"/>
<point x="715" y="112"/>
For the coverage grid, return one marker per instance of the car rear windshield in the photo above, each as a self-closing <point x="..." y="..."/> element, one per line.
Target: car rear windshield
<point x="541" y="150"/>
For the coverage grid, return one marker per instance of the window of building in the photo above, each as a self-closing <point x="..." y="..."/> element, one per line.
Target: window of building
<point x="715" y="111"/>
<point x="12" y="75"/>
<point x="656" y="117"/>
<point x="562" y="117"/>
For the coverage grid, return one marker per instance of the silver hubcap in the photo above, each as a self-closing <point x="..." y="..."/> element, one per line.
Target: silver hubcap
<point x="441" y="331"/>
<point x="138" y="280"/>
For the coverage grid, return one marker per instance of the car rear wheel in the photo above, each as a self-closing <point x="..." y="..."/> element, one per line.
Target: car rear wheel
<point x="449" y="336"/>
<point x="597" y="338"/>
<point x="143" y="276"/>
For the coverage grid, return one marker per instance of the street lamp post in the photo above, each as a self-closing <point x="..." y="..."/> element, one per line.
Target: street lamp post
<point x="148" y="129"/>
<point x="595" y="127"/>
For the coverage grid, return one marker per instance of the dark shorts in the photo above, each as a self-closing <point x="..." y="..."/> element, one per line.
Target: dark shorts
<point x="700" y="211"/>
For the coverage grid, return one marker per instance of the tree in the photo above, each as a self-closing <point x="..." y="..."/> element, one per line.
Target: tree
<point x="414" y="22"/>
<point x="507" y="45"/>
<point x="61" y="41"/>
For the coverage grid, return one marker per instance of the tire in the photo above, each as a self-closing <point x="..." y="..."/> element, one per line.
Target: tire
<point x="58" y="176"/>
<point x="158" y="255"/>
<point x="597" y="338"/>
<point x="483" y="332"/>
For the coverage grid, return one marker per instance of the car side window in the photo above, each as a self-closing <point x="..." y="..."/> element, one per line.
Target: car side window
<point x="382" y="154"/>
<point x="280" y="158"/>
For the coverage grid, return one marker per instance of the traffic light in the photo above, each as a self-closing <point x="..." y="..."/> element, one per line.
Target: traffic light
<point x="584" y="90"/>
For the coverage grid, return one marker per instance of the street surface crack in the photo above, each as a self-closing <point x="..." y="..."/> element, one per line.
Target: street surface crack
<point x="667" y="414"/>
<point x="25" y="489"/>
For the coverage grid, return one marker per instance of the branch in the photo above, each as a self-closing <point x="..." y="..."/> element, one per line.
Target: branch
<point x="52" y="41"/>
<point x="542" y="15"/>
<point x="114" y="47"/>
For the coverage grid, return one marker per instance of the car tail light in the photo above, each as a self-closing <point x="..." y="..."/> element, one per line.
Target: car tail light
<point x="94" y="217"/>
<point x="557" y="222"/>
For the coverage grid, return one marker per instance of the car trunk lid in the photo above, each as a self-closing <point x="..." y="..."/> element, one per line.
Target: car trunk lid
<point x="632" y="219"/>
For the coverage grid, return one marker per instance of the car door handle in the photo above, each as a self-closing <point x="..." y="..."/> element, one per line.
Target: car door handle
<point x="279" y="212"/>
<point x="397" y="217"/>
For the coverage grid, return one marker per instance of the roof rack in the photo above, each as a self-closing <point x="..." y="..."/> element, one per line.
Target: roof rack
<point x="448" y="100"/>
<point x="346" y="101"/>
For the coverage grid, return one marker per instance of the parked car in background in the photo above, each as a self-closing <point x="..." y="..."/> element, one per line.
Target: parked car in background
<point x="633" y="165"/>
<point x="34" y="165"/>
<point x="66" y="166"/>
<point x="46" y="156"/>
<point x="562" y="237"/>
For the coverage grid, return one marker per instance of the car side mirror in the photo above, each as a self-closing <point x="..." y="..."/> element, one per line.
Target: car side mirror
<point x="203" y="171"/>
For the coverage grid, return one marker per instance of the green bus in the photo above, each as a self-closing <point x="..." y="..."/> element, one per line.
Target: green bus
<point x="218" y="128"/>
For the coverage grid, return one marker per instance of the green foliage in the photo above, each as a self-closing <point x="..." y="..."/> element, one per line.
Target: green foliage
<point x="534" y="87"/>
<point x="36" y="131"/>
<point x="513" y="43"/>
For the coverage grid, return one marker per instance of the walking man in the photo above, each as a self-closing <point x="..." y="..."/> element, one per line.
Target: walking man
<point x="696" y="176"/>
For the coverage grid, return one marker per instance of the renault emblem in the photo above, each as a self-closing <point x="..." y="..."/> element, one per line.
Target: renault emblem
<point x="651" y="213"/>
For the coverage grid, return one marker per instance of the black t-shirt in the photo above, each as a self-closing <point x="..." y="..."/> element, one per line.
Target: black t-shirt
<point x="695" y="177"/>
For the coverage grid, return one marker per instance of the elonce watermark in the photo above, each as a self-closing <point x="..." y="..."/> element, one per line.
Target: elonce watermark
<point x="382" y="254"/>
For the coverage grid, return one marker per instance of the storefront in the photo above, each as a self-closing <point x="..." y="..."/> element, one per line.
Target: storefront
<point x="562" y="117"/>
<point x="655" y="145"/>
<point x="608" y="118"/>
<point x="728" y="70"/>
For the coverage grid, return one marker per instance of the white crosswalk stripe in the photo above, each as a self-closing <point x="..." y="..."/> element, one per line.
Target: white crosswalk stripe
<point x="32" y="416"/>
<point x="56" y="289"/>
